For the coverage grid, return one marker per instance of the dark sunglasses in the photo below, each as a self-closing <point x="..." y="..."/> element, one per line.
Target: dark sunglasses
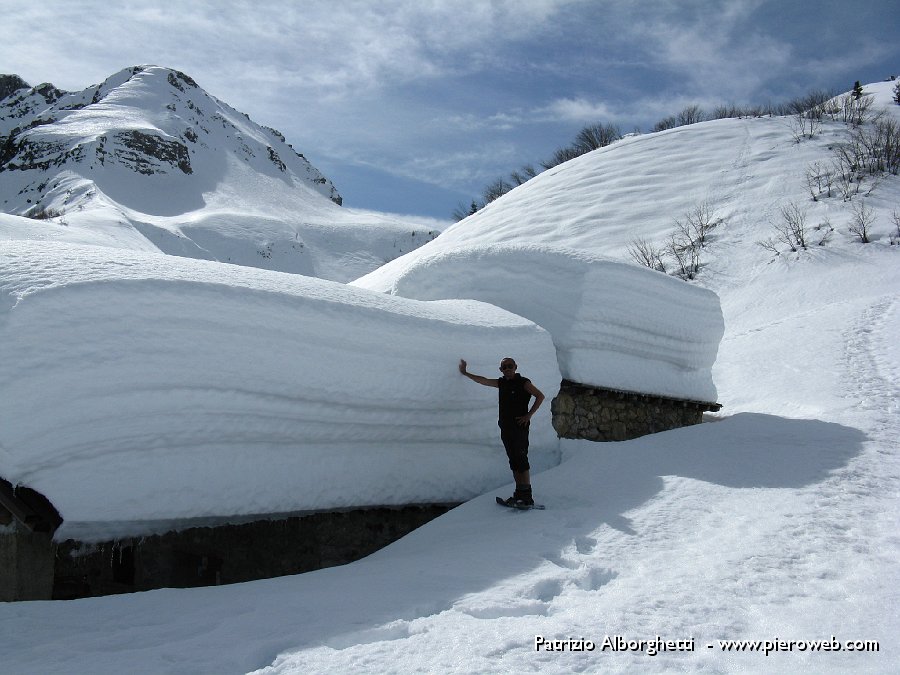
<point x="508" y="366"/>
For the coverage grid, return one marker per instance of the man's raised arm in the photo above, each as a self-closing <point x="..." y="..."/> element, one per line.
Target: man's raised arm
<point x="486" y="381"/>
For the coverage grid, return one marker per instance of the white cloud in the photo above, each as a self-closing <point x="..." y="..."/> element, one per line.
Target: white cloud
<point x="576" y="110"/>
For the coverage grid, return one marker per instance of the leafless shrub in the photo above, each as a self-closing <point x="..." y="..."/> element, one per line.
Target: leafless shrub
<point x="811" y="104"/>
<point x="560" y="156"/>
<point x="691" y="115"/>
<point x="596" y="136"/>
<point x="495" y="190"/>
<point x="861" y="223"/>
<point x="825" y="229"/>
<point x="523" y="175"/>
<point x="686" y="255"/>
<point x="819" y="180"/>
<point x="791" y="230"/>
<point x="725" y="111"/>
<point x="878" y="146"/>
<point x="735" y="111"/>
<point x="697" y="224"/>
<point x="895" y="235"/>
<point x="591" y="137"/>
<point x="666" y="123"/>
<point x="871" y="151"/>
<point x="845" y="169"/>
<point x="805" y="125"/>
<point x="689" y="238"/>
<point x="850" y="109"/>
<point x="770" y="245"/>
<point x="646" y="254"/>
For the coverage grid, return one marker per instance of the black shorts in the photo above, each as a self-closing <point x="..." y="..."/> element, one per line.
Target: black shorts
<point x="515" y="440"/>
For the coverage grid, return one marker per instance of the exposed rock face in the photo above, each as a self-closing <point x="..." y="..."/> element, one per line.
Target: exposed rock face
<point x="10" y="84"/>
<point x="146" y="153"/>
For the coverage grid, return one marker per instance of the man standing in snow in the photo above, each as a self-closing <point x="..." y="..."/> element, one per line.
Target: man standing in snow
<point x="515" y="393"/>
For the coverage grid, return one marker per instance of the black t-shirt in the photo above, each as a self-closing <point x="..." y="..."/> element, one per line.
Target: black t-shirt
<point x="513" y="398"/>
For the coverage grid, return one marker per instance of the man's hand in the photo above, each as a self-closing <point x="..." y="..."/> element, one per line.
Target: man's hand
<point x="524" y="421"/>
<point x="487" y="382"/>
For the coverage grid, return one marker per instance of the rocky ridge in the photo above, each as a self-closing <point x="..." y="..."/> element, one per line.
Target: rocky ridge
<point x="145" y="119"/>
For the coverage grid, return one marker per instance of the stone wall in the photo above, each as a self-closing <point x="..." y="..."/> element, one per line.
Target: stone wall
<point x="226" y="554"/>
<point x="599" y="414"/>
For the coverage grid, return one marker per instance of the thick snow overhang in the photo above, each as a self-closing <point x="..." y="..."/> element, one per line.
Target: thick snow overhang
<point x="614" y="325"/>
<point x="143" y="387"/>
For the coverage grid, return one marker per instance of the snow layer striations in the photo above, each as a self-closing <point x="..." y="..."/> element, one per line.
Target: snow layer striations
<point x="614" y="325"/>
<point x="142" y="387"/>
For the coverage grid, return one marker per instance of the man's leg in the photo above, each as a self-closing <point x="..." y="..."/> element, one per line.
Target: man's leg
<point x="515" y="440"/>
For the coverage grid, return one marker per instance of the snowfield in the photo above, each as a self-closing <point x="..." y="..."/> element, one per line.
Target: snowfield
<point x="776" y="522"/>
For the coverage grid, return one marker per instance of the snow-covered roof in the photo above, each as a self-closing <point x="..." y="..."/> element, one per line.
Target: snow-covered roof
<point x="614" y="324"/>
<point x="144" y="387"/>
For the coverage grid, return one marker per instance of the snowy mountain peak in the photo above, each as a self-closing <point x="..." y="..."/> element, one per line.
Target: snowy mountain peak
<point x="144" y="119"/>
<point x="149" y="161"/>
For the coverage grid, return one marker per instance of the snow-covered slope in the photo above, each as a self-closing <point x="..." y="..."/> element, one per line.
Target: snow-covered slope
<point x="637" y="188"/>
<point x="177" y="388"/>
<point x="737" y="173"/>
<point x="148" y="160"/>
<point x="775" y="524"/>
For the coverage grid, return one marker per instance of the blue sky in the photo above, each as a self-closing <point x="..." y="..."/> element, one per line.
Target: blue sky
<point x="413" y="107"/>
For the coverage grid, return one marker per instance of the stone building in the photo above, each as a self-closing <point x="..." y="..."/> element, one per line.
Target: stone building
<point x="601" y="414"/>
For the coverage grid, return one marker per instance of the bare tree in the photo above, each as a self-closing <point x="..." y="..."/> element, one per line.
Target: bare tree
<point x="791" y="230"/>
<point x="647" y="255"/>
<point x="523" y="175"/>
<point x="895" y="235"/>
<point x="860" y="225"/>
<point x="700" y="219"/>
<point x="812" y="104"/>
<point x="769" y="244"/>
<point x="852" y="110"/>
<point x="814" y="180"/>
<point x="686" y="255"/>
<point x="596" y="136"/>
<point x="691" y="115"/>
<point x="666" y="123"/>
<point x="560" y="156"/>
<point x="517" y="177"/>
<point x="805" y="125"/>
<point x="495" y="190"/>
<point x="724" y="111"/>
<point x="879" y="146"/>
<point x="826" y="230"/>
<point x="529" y="170"/>
<point x="845" y="166"/>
